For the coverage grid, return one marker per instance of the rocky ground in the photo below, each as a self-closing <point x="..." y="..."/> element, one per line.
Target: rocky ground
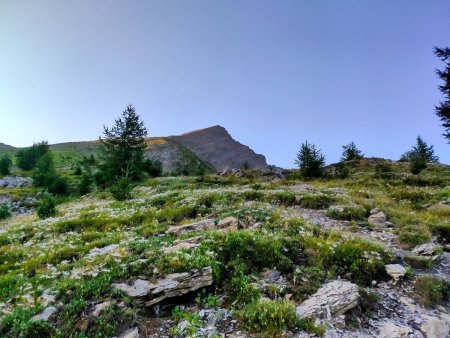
<point x="235" y="257"/>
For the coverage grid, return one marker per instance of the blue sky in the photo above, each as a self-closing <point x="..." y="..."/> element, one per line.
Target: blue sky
<point x="274" y="73"/>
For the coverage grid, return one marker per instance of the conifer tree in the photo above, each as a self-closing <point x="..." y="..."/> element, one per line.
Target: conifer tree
<point x="310" y="160"/>
<point x="351" y="152"/>
<point x="443" y="109"/>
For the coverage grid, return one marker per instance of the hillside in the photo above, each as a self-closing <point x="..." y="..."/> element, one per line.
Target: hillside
<point x="205" y="150"/>
<point x="212" y="256"/>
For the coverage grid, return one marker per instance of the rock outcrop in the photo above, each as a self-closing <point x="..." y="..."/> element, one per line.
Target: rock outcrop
<point x="376" y="217"/>
<point x="396" y="271"/>
<point x="15" y="182"/>
<point x="336" y="297"/>
<point x="173" y="285"/>
<point x="216" y="146"/>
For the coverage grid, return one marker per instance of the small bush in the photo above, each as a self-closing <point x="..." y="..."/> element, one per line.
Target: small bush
<point x="152" y="168"/>
<point x="306" y="281"/>
<point x="368" y="301"/>
<point x="416" y="165"/>
<point x="121" y="190"/>
<point x="5" y="212"/>
<point x="28" y="157"/>
<point x="347" y="214"/>
<point x="412" y="235"/>
<point x="442" y="230"/>
<point x="269" y="316"/>
<point x="432" y="290"/>
<point x="5" y="165"/>
<point x="418" y="262"/>
<point x="46" y="207"/>
<point x="383" y="170"/>
<point x="316" y="201"/>
<point x="364" y="261"/>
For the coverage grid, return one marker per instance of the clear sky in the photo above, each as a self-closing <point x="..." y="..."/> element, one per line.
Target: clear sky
<point x="274" y="73"/>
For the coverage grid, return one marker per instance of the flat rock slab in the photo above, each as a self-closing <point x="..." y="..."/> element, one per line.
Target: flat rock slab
<point x="427" y="249"/>
<point x="377" y="218"/>
<point x="337" y="296"/>
<point x="390" y="329"/>
<point x="436" y="327"/>
<point x="172" y="285"/>
<point x="198" y="226"/>
<point x="396" y="271"/>
<point x="46" y="314"/>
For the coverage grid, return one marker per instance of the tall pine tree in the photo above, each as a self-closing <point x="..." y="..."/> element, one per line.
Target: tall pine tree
<point x="443" y="109"/>
<point x="122" y="148"/>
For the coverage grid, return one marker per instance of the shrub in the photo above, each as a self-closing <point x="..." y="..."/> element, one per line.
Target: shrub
<point x="412" y="235"/>
<point x="44" y="175"/>
<point x="269" y="316"/>
<point x="416" y="165"/>
<point x="432" y="290"/>
<point x="341" y="170"/>
<point x="84" y="186"/>
<point x="28" y="157"/>
<point x="310" y="160"/>
<point x="418" y="262"/>
<point x="364" y="261"/>
<point x="121" y="190"/>
<point x="316" y="201"/>
<point x="347" y="214"/>
<point x="5" y="212"/>
<point x="368" y="300"/>
<point x="306" y="281"/>
<point x="152" y="168"/>
<point x="383" y="170"/>
<point x="5" y="165"/>
<point x="46" y="207"/>
<point x="442" y="230"/>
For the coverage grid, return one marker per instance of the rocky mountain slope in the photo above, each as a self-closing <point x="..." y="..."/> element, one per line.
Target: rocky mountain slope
<point x="365" y="256"/>
<point x="216" y="146"/>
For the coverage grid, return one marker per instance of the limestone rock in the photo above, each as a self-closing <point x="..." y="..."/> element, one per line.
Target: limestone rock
<point x="15" y="182"/>
<point x="197" y="226"/>
<point x="130" y="333"/>
<point x="228" y="222"/>
<point x="338" y="295"/>
<point x="436" y="327"/>
<point x="180" y="246"/>
<point x="376" y="217"/>
<point x="46" y="314"/>
<point x="101" y="251"/>
<point x="172" y="285"/>
<point x="99" y="308"/>
<point x="139" y="288"/>
<point x="389" y="329"/>
<point x="396" y="271"/>
<point x="427" y="249"/>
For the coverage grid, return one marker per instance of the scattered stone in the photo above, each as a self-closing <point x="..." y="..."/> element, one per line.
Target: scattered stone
<point x="172" y="285"/>
<point x="428" y="249"/>
<point x="101" y="251"/>
<point x="439" y="207"/>
<point x="130" y="333"/>
<point x="396" y="271"/>
<point x="376" y="216"/>
<point x="99" y="308"/>
<point x="194" y="240"/>
<point x="228" y="222"/>
<point x="180" y="246"/>
<point x="197" y="226"/>
<point x="47" y="298"/>
<point x="390" y="329"/>
<point x="338" y="295"/>
<point x="46" y="314"/>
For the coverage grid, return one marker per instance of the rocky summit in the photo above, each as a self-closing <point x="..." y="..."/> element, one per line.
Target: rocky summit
<point x="216" y="146"/>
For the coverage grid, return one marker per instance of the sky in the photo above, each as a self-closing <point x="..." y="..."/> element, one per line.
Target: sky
<point x="273" y="73"/>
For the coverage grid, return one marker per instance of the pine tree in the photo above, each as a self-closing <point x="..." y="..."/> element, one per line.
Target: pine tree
<point x="419" y="156"/>
<point x="443" y="109"/>
<point x="420" y="151"/>
<point x="351" y="152"/>
<point x="310" y="160"/>
<point x="122" y="148"/>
